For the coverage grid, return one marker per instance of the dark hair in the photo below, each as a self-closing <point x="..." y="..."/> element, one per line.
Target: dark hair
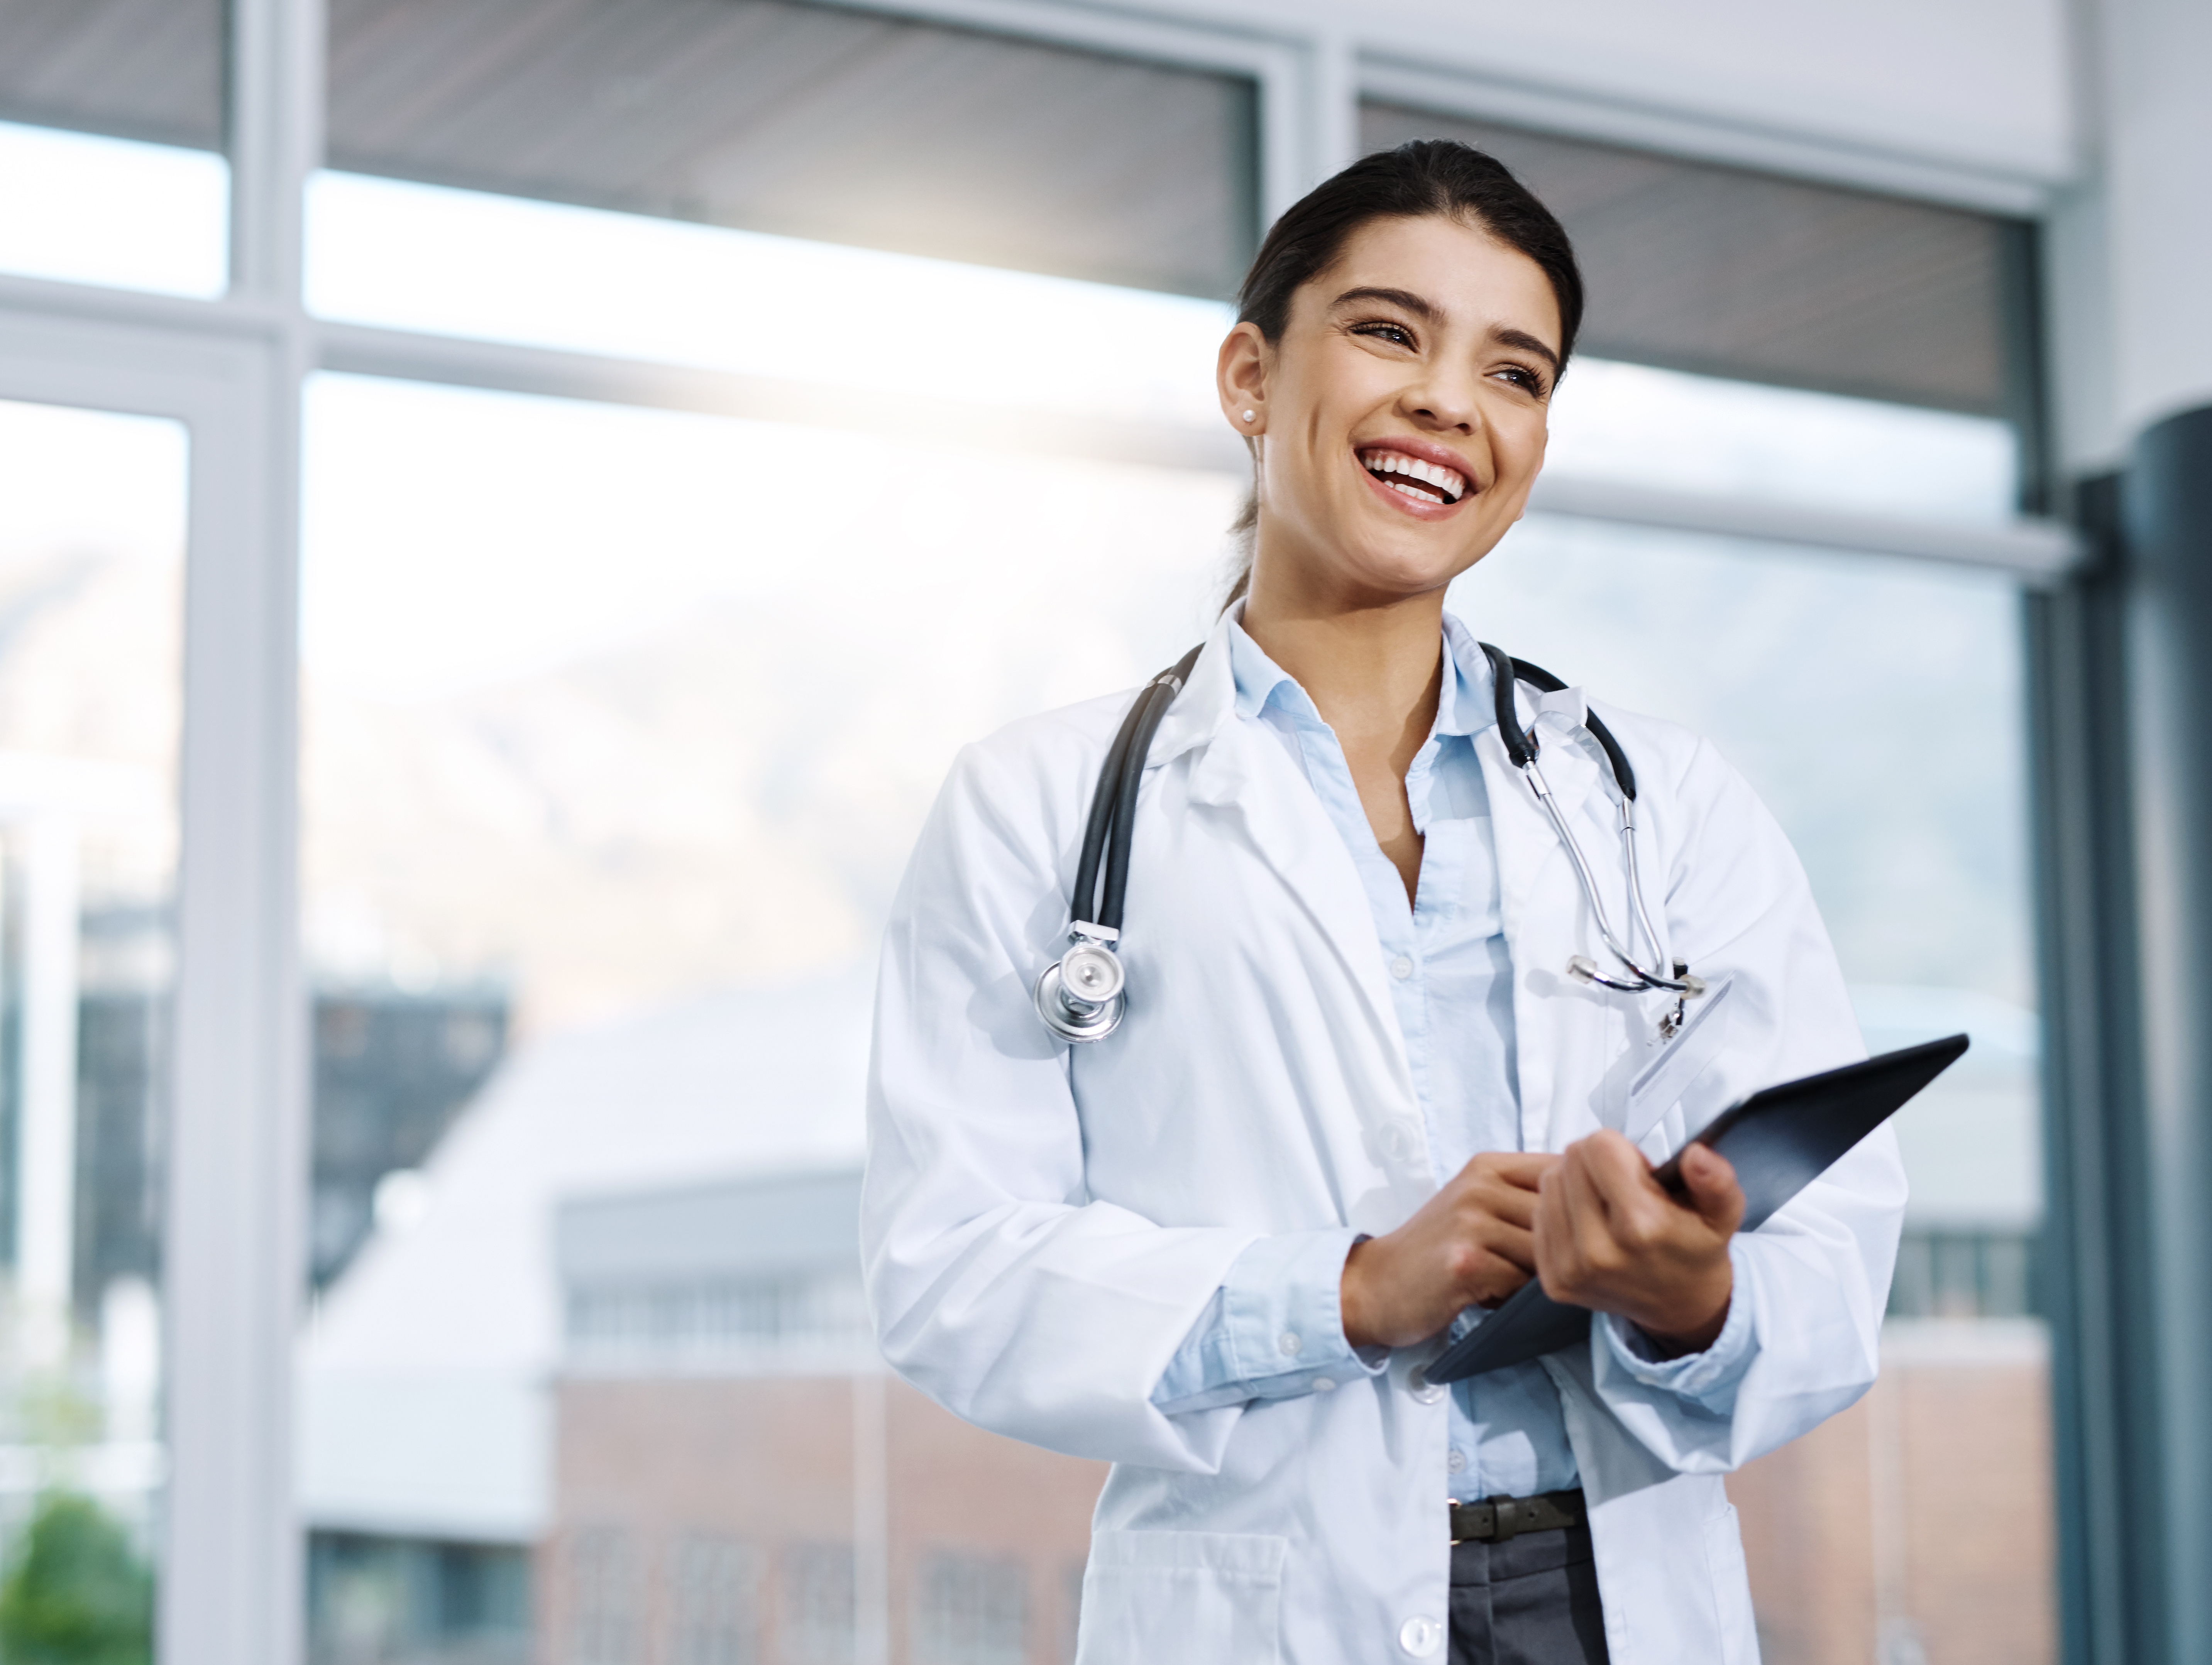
<point x="1420" y="177"/>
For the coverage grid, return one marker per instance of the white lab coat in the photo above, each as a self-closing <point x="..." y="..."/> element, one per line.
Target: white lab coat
<point x="1043" y="1225"/>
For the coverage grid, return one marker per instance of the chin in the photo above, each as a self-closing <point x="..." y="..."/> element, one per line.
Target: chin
<point x="1408" y="568"/>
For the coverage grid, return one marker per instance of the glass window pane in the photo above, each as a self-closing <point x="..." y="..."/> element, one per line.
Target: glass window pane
<point x="819" y="122"/>
<point x="1877" y="707"/>
<point x="1747" y="274"/>
<point x="1677" y="431"/>
<point x="460" y="262"/>
<point x="110" y="135"/>
<point x="90" y="210"/>
<point x="619" y="726"/>
<point x="92" y="540"/>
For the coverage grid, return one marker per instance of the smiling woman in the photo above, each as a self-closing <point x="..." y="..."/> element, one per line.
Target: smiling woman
<point x="1459" y="218"/>
<point x="1352" y="1102"/>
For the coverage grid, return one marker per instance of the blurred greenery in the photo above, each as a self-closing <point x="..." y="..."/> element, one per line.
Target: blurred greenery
<point x="75" y="1592"/>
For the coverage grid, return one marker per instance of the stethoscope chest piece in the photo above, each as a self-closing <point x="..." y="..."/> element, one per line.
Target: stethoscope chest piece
<point x="1079" y="996"/>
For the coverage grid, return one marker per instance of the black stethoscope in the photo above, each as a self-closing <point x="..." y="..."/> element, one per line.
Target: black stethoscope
<point x="1082" y="995"/>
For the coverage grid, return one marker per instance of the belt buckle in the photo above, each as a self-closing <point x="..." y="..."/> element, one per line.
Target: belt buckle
<point x="1480" y="1520"/>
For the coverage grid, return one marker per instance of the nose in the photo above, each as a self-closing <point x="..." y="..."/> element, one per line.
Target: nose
<point x="1444" y="400"/>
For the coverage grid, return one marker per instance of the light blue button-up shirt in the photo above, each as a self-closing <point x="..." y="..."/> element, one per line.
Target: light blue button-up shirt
<point x="1275" y="1328"/>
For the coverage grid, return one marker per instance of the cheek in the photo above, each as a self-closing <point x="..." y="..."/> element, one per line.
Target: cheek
<point x="1520" y="445"/>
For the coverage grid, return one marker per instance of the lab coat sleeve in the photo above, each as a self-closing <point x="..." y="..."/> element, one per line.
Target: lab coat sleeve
<point x="998" y="1285"/>
<point x="1707" y="1380"/>
<point x="1811" y="1285"/>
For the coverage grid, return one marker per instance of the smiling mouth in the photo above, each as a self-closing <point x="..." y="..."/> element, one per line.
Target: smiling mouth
<point x="1424" y="482"/>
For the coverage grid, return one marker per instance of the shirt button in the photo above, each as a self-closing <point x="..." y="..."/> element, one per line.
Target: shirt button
<point x="1401" y="968"/>
<point x="1324" y="1384"/>
<point x="1424" y="1390"/>
<point x="1456" y="1463"/>
<point x="1420" y="1636"/>
<point x="1288" y="1344"/>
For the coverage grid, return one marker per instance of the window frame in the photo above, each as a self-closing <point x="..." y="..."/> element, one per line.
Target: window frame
<point x="233" y="369"/>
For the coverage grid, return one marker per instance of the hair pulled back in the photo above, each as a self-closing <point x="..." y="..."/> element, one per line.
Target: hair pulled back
<point x="1421" y="178"/>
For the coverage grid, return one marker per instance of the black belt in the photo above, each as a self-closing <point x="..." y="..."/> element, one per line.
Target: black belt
<point x="1494" y="1520"/>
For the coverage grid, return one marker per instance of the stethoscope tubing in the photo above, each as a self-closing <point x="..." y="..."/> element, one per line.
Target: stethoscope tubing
<point x="1523" y="748"/>
<point x="1113" y="805"/>
<point x="1108" y="837"/>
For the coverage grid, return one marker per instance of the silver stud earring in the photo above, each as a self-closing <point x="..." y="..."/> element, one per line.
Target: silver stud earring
<point x="1251" y="414"/>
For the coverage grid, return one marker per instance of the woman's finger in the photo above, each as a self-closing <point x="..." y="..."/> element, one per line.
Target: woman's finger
<point x="1510" y="1204"/>
<point x="1516" y="1243"/>
<point x="1587" y="1216"/>
<point x="1714" y="1192"/>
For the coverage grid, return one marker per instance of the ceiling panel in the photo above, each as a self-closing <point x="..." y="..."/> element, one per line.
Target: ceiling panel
<point x="1742" y="274"/>
<point x="812" y="122"/>
<point x="136" y="68"/>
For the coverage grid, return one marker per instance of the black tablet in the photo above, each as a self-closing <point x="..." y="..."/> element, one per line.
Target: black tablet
<point x="1781" y="1139"/>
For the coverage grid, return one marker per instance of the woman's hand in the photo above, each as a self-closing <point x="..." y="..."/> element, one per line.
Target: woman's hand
<point x="1470" y="1243"/>
<point x="1608" y="1237"/>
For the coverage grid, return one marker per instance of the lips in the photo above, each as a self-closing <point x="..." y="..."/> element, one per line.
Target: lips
<point x="1425" y="479"/>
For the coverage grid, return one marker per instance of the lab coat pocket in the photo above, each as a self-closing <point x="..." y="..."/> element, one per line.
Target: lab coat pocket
<point x="1210" y="1598"/>
<point x="1731" y="1588"/>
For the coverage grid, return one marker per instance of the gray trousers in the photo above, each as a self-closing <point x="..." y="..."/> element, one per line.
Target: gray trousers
<point x="1530" y="1601"/>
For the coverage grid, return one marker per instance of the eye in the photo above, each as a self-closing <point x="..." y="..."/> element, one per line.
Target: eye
<point x="1385" y="328"/>
<point x="1529" y="381"/>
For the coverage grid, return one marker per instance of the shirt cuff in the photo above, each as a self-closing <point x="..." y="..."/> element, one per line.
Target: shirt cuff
<point x="1707" y="1379"/>
<point x="1282" y="1305"/>
<point x="1274" y="1330"/>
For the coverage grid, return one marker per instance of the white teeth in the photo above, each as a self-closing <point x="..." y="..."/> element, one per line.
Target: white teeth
<point x="1450" y="484"/>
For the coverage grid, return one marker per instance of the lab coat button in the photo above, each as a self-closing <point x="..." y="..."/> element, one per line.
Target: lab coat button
<point x="1396" y="1139"/>
<point x="1401" y="968"/>
<point x="1420" y="1635"/>
<point x="1288" y="1344"/>
<point x="1424" y="1390"/>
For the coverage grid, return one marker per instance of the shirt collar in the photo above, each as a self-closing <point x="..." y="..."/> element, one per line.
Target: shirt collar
<point x="1464" y="703"/>
<point x="1257" y="676"/>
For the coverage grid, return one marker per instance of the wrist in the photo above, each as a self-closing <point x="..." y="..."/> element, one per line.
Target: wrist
<point x="1677" y="1335"/>
<point x="1351" y="1296"/>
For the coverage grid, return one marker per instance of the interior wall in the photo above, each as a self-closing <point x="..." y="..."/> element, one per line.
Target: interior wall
<point x="2155" y="117"/>
<point x="1980" y="84"/>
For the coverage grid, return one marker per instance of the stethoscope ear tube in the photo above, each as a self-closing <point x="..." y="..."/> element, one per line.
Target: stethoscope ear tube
<point x="1519" y="744"/>
<point x="1522" y="747"/>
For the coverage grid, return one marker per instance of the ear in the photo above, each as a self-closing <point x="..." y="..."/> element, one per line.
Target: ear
<point x="1241" y="379"/>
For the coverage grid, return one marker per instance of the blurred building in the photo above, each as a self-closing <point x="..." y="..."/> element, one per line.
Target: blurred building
<point x="1931" y="1539"/>
<point x="393" y="1068"/>
<point x="427" y="1451"/>
<point x="736" y="1477"/>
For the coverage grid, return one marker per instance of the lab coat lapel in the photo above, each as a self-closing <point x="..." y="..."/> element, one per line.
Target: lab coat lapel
<point x="1243" y="774"/>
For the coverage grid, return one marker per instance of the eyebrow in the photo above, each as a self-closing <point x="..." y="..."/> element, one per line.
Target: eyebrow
<point x="1427" y="311"/>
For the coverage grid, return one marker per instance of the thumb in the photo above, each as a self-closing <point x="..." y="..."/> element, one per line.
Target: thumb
<point x="1714" y="1192"/>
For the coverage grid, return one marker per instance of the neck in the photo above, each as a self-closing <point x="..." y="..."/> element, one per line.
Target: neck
<point x="1372" y="666"/>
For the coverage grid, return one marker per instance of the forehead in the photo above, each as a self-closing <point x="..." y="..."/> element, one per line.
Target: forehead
<point x="1472" y="279"/>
